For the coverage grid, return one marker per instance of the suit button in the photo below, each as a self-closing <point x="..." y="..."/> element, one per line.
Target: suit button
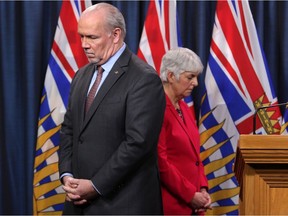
<point x="197" y="163"/>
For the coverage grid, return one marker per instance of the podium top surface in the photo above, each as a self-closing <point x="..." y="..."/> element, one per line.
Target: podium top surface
<point x="263" y="142"/>
<point x="262" y="149"/>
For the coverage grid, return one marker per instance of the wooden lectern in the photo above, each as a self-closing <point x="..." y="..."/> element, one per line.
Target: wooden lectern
<point x="261" y="168"/>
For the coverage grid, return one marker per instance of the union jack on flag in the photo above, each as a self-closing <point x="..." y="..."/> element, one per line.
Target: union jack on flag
<point x="160" y="34"/>
<point x="237" y="82"/>
<point x="65" y="58"/>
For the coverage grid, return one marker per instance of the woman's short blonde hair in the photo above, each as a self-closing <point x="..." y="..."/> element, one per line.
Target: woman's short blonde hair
<point x="180" y="60"/>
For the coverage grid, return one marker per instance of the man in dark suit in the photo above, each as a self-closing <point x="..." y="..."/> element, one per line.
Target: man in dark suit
<point x="108" y="153"/>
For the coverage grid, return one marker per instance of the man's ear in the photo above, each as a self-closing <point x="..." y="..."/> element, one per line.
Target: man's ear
<point x="116" y="34"/>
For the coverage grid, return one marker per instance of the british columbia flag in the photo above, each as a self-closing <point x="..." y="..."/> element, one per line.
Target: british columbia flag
<point x="65" y="58"/>
<point x="237" y="82"/>
<point x="160" y="34"/>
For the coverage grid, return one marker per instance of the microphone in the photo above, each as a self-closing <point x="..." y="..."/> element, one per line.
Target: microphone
<point x="264" y="107"/>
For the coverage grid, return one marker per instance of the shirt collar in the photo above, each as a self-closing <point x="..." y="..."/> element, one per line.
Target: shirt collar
<point x="109" y="64"/>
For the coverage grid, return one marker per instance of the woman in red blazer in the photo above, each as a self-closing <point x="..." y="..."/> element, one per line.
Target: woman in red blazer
<point x="183" y="182"/>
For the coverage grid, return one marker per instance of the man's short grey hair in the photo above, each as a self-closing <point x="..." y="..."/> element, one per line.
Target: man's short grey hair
<point x="114" y="18"/>
<point x="178" y="61"/>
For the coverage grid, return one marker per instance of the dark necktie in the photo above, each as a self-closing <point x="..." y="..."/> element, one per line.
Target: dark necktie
<point x="92" y="92"/>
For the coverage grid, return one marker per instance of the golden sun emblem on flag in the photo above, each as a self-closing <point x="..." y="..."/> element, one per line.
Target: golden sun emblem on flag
<point x="215" y="165"/>
<point x="43" y="203"/>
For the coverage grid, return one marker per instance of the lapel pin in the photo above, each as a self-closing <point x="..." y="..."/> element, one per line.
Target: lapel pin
<point x="116" y="72"/>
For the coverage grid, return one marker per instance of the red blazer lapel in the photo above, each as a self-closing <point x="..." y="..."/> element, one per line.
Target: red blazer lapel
<point x="188" y="125"/>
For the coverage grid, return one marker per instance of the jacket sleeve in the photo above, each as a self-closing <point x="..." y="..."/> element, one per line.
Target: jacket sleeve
<point x="171" y="178"/>
<point x="66" y="137"/>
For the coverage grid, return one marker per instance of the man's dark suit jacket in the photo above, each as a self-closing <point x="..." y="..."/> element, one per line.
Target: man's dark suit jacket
<point x="115" y="144"/>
